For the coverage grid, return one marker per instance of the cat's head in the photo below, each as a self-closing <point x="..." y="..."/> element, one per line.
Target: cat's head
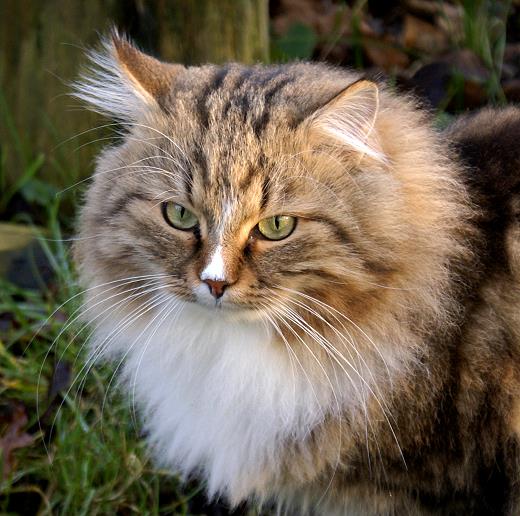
<point x="274" y="190"/>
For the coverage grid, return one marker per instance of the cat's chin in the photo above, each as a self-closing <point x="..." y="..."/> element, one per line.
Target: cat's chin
<point x="225" y="309"/>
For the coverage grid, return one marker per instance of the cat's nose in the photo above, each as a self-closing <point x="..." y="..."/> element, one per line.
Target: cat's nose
<point x="216" y="287"/>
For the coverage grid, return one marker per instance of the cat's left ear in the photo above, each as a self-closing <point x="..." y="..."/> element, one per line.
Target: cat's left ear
<point x="349" y="119"/>
<point x="125" y="83"/>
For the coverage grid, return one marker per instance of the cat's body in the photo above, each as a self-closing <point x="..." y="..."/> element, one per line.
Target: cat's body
<point x="368" y="362"/>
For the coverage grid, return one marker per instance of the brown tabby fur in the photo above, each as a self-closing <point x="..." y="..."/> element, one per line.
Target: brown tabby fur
<point x="416" y="248"/>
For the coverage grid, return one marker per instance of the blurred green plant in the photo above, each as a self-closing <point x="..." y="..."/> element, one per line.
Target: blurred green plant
<point x="356" y="39"/>
<point x="32" y="164"/>
<point x="298" y="43"/>
<point x="485" y="24"/>
<point x="84" y="454"/>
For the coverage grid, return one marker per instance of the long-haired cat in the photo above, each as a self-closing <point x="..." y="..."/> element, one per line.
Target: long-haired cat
<point x="314" y="297"/>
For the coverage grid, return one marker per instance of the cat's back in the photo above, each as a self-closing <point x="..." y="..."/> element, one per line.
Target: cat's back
<point x="488" y="145"/>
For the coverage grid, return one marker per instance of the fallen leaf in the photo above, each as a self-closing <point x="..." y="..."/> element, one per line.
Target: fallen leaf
<point x="324" y="17"/>
<point x="446" y="16"/>
<point x="14" y="437"/>
<point x="61" y="379"/>
<point x="385" y="55"/>
<point x="423" y="36"/>
<point x="511" y="90"/>
<point x="434" y="80"/>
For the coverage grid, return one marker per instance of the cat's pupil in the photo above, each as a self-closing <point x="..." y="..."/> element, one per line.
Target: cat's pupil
<point x="277" y="222"/>
<point x="183" y="211"/>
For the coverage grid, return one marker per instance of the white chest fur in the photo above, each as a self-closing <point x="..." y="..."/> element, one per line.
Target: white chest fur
<point x="219" y="398"/>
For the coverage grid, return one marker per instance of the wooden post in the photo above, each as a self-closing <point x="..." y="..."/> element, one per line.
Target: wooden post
<point x="213" y="31"/>
<point x="42" y="48"/>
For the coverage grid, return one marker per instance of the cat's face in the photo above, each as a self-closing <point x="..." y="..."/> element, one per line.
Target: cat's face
<point x="249" y="190"/>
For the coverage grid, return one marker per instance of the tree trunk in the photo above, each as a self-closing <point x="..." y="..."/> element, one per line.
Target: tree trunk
<point x="42" y="48"/>
<point x="202" y="31"/>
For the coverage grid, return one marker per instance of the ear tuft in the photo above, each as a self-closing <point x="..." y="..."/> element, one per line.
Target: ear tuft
<point x="349" y="119"/>
<point x="123" y="83"/>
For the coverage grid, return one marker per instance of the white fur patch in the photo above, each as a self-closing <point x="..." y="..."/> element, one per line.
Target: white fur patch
<point x="219" y="397"/>
<point x="215" y="269"/>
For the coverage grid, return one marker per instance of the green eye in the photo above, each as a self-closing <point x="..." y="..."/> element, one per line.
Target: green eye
<point x="277" y="227"/>
<point x="178" y="216"/>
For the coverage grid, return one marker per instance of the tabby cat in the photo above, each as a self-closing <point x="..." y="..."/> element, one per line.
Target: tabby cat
<point x="314" y="297"/>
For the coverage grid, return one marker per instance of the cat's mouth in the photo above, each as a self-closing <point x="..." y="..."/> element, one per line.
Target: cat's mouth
<point x="224" y="305"/>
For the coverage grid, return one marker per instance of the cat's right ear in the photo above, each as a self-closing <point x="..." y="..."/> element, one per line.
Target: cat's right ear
<point x="123" y="83"/>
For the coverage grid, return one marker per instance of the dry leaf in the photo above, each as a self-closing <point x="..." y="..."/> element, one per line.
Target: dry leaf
<point x="423" y="36"/>
<point x="13" y="436"/>
<point x="512" y="90"/>
<point x="385" y="55"/>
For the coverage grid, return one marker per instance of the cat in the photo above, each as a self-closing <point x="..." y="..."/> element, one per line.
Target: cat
<point x="312" y="295"/>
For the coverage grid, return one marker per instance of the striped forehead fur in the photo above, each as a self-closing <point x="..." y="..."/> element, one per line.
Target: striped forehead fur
<point x="110" y="87"/>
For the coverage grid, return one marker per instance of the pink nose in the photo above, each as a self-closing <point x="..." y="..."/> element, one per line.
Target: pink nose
<point x="216" y="287"/>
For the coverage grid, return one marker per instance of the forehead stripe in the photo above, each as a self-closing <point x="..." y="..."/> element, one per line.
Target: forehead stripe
<point x="213" y="85"/>
<point x="265" y="193"/>
<point x="261" y="122"/>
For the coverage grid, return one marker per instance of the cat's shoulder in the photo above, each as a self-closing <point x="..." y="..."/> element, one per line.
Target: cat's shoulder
<point x="487" y="144"/>
<point x="487" y="141"/>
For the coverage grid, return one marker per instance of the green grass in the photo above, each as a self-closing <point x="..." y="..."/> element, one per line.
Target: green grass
<point x="87" y="456"/>
<point x="485" y="33"/>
